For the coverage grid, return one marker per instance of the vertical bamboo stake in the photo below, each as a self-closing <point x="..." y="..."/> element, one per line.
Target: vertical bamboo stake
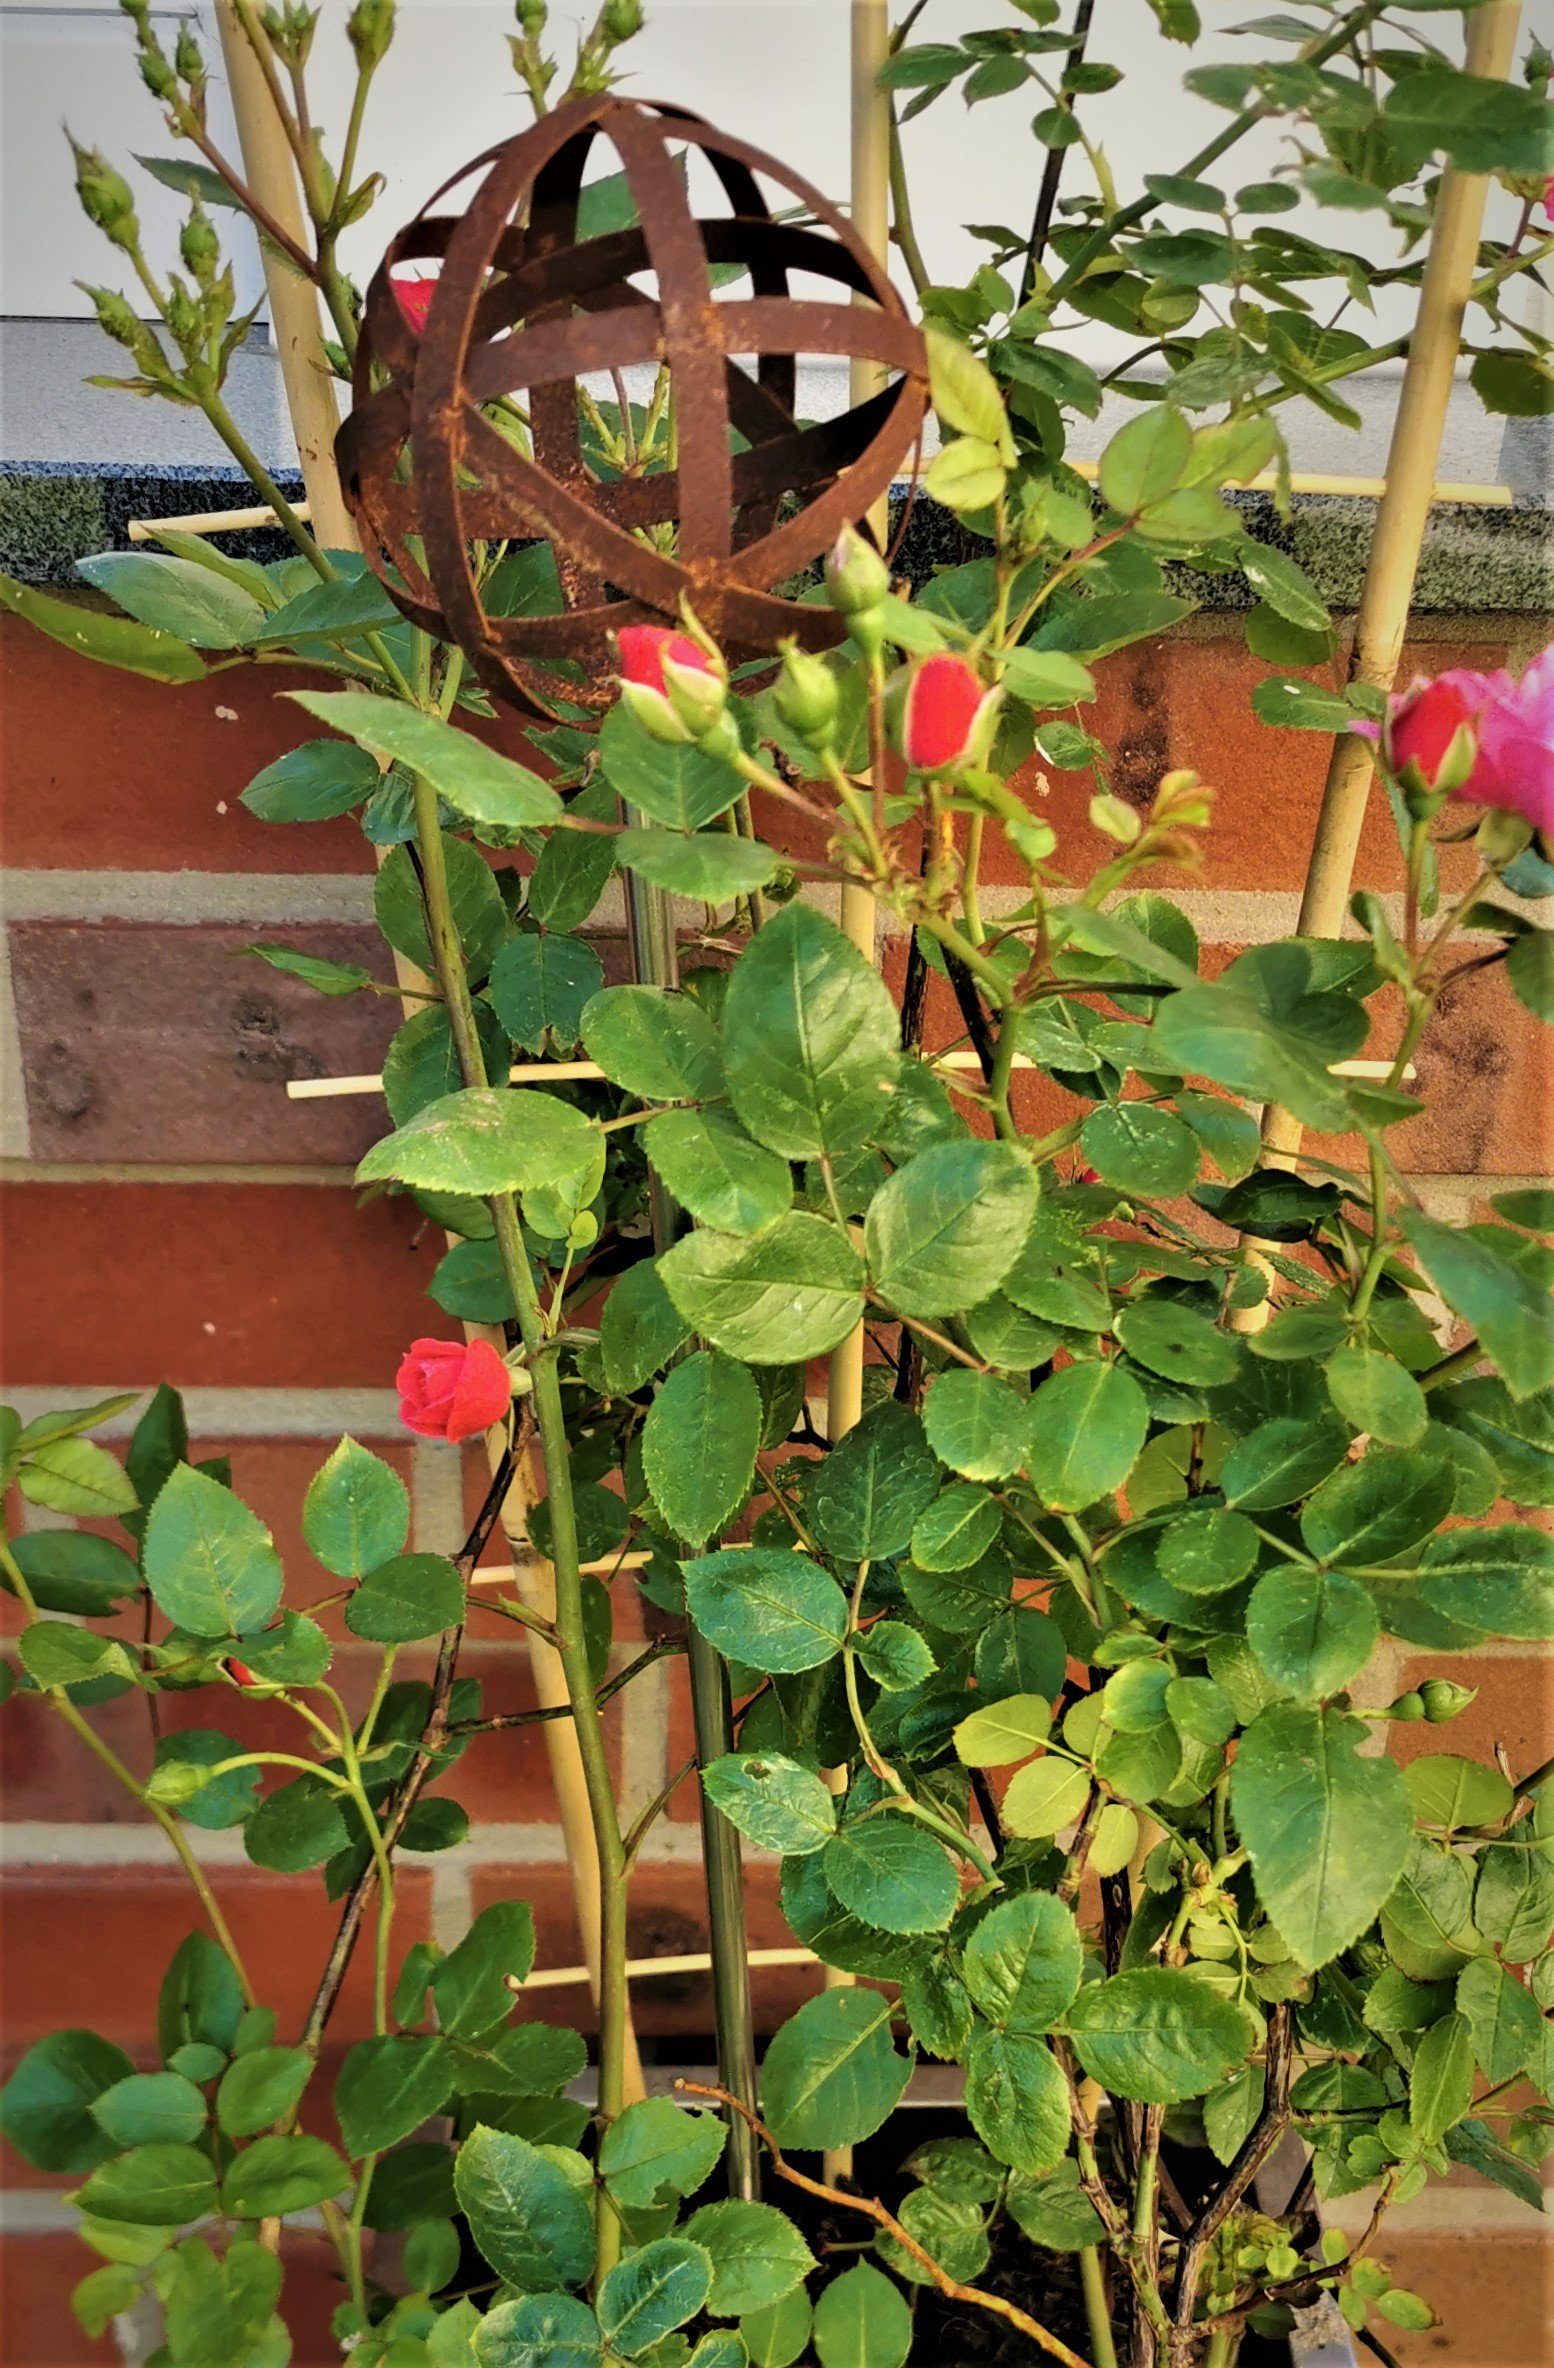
<point x="310" y="389"/>
<point x="271" y="171"/>
<point x="1401" y="518"/>
<point x="870" y="211"/>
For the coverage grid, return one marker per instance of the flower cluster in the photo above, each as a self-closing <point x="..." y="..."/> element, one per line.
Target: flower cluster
<point x="1485" y="738"/>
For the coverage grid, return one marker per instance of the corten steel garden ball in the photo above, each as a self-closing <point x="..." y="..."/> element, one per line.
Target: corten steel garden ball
<point x="523" y="309"/>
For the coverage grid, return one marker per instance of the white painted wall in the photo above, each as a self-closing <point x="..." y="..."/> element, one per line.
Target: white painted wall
<point x="773" y="70"/>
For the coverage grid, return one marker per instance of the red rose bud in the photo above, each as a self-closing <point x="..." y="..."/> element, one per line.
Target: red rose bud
<point x="673" y="688"/>
<point x="241" y="1674"/>
<point x="413" y="293"/>
<point x="1429" y="740"/>
<point x="450" y="1390"/>
<point x="945" y="715"/>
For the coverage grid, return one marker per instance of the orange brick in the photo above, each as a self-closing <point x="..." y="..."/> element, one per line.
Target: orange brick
<point x="258" y="1286"/>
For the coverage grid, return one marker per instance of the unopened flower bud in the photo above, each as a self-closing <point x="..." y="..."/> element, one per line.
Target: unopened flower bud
<point x="188" y="57"/>
<point x="944" y="714"/>
<point x="805" y="696"/>
<point x="369" y="29"/>
<point x="105" y="197"/>
<point x="1444" y="1699"/>
<point x="671" y="685"/>
<point x="199" y="245"/>
<point x="857" y="578"/>
<point x="531" y="15"/>
<point x="156" y="73"/>
<point x="697" y="694"/>
<point x="620" y="19"/>
<point x="1407" y="1709"/>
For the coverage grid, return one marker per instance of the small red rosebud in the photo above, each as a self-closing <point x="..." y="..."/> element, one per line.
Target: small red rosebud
<point x="644" y="648"/>
<point x="944" y="714"/>
<point x="241" y="1674"/>
<point x="1429" y="732"/>
<point x="413" y="293"/>
<point x="676" y="689"/>
<point x="451" y="1390"/>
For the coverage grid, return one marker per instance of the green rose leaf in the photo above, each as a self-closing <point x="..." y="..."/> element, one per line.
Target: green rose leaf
<point x="356" y="1512"/>
<point x="467" y="775"/>
<point x="387" y="2087"/>
<point x="209" y="1561"/>
<point x="279" y="2175"/>
<point x="657" y="2149"/>
<point x="1017" y="2098"/>
<point x="699" y="1444"/>
<point x="774" y="1801"/>
<point x="717" y="1172"/>
<point x="890" y="1872"/>
<point x="948" y="1226"/>
<point x="866" y="1495"/>
<point x="777" y="1298"/>
<point x="1311" y="1630"/>
<point x="530" y="2220"/>
<point x="492" y="1139"/>
<point x="1023" y="1962"/>
<point x="653" y="2291"/>
<point x="1087" y="1425"/>
<point x="1328" y="1831"/>
<point x="1157" y="2035"/>
<point x="657" y="1045"/>
<point x="832" y="2076"/>
<point x="862" y="2321"/>
<point x="758" y="2256"/>
<point x="771" y="1610"/>
<point x="810" y="1038"/>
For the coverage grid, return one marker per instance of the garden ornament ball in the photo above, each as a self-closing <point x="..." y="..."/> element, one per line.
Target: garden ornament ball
<point x="465" y="432"/>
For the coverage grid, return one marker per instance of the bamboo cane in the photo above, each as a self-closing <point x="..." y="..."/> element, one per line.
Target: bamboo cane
<point x="310" y="389"/>
<point x="1401" y="519"/>
<point x="870" y="212"/>
<point x="270" y="168"/>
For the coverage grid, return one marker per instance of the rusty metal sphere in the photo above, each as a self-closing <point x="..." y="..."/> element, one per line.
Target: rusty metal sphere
<point x="466" y="434"/>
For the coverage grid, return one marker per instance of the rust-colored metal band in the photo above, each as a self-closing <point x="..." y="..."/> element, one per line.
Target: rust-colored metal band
<point x="469" y="434"/>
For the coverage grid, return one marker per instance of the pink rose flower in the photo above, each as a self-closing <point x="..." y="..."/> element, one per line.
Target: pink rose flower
<point x="450" y="1390"/>
<point x="413" y="292"/>
<point x="943" y="713"/>
<point x="1485" y="738"/>
<point x="1515" y="763"/>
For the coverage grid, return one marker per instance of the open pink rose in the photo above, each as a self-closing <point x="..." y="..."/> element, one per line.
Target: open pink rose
<point x="413" y="293"/>
<point x="943" y="713"/>
<point x="1487" y="738"/>
<point x="450" y="1390"/>
<point x="1515" y="765"/>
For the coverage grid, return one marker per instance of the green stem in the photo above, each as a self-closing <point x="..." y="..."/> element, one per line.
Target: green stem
<point x="1313" y="54"/>
<point x="571" y="1640"/>
<point x="110" y="1760"/>
<point x="1098" y="2317"/>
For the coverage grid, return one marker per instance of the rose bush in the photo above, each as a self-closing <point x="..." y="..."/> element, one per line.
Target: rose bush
<point x="1051" y="1680"/>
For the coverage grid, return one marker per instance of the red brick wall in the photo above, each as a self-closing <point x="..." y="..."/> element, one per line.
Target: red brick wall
<point x="169" y="1213"/>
